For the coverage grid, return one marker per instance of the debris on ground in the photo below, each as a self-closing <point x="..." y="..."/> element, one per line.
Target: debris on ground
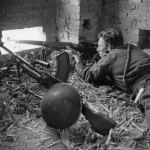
<point x="22" y="127"/>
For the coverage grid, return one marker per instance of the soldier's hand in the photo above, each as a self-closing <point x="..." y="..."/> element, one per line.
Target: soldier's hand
<point x="71" y="51"/>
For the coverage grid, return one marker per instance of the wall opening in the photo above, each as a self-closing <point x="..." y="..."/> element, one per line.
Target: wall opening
<point x="35" y="33"/>
<point x="86" y="24"/>
<point x="144" y="39"/>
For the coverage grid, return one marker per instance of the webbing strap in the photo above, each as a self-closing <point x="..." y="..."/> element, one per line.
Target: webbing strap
<point x="126" y="66"/>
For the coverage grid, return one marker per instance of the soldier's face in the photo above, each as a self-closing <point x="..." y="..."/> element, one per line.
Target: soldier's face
<point x="102" y="46"/>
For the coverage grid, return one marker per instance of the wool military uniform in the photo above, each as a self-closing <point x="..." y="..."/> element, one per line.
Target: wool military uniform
<point x="127" y="66"/>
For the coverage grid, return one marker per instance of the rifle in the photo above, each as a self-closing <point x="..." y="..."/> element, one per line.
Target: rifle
<point x="85" y="48"/>
<point x="42" y="77"/>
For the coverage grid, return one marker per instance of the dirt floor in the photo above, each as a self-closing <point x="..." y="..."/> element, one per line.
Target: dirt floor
<point x="32" y="135"/>
<point x="22" y="127"/>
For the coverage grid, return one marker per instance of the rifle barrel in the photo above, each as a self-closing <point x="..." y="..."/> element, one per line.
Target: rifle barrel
<point x="83" y="47"/>
<point x="57" y="45"/>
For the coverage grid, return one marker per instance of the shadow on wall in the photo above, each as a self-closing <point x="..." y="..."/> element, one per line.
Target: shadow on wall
<point x="110" y="13"/>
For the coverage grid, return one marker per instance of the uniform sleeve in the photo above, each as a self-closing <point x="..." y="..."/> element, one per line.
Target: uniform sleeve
<point x="95" y="73"/>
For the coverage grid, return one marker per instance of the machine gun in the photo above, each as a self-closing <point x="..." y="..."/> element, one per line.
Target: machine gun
<point x="86" y="49"/>
<point x="42" y="77"/>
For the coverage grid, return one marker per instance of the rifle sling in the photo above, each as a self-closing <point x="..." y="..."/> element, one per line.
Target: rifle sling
<point x="126" y="66"/>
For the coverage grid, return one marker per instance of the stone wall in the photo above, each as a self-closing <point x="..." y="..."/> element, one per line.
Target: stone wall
<point x="90" y="16"/>
<point x="64" y="20"/>
<point x="72" y="20"/>
<point x="68" y="20"/>
<point x="19" y="14"/>
<point x="78" y="19"/>
<point x="131" y="16"/>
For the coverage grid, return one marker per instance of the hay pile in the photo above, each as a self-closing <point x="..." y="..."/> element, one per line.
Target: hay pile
<point x="20" y="119"/>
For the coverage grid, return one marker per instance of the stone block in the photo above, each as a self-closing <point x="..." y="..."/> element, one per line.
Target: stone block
<point x="29" y="16"/>
<point x="65" y="13"/>
<point x="13" y="9"/>
<point x="125" y="23"/>
<point x="50" y="30"/>
<point x="147" y="2"/>
<point x="11" y="25"/>
<point x="84" y="2"/>
<point x="60" y="28"/>
<point x="144" y="21"/>
<point x="27" y="1"/>
<point x="123" y="0"/>
<point x="69" y="40"/>
<point x="148" y="24"/>
<point x="70" y="2"/>
<point x="135" y="1"/>
<point x="47" y="14"/>
<point x="110" y="21"/>
<point x="48" y="6"/>
<point x="94" y="22"/>
<point x="143" y="7"/>
<point x="60" y="35"/>
<point x="68" y="26"/>
<point x="88" y="15"/>
<point x="74" y="15"/>
<point x="51" y="37"/>
<point x="31" y="8"/>
<point x="73" y="27"/>
<point x="76" y="33"/>
<point x="142" y="25"/>
<point x="134" y="14"/>
<point x="34" y="22"/>
<point x="11" y="19"/>
<point x="109" y="12"/>
<point x="128" y="5"/>
<point x="75" y="22"/>
<point x="3" y="11"/>
<point x="107" y="1"/>
<point x="129" y="38"/>
<point x="60" y="21"/>
<point x="63" y="34"/>
<point x="121" y="13"/>
<point x="51" y="3"/>
<point x="69" y="8"/>
<point x="132" y="31"/>
<point x="94" y="8"/>
<point x="10" y="2"/>
<point x="90" y="36"/>
<point x="73" y="37"/>
<point x="118" y="5"/>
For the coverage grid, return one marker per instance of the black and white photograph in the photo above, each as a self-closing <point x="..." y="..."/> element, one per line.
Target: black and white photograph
<point x="74" y="74"/>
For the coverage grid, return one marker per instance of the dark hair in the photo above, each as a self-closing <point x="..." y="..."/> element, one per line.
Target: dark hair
<point x="112" y="36"/>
